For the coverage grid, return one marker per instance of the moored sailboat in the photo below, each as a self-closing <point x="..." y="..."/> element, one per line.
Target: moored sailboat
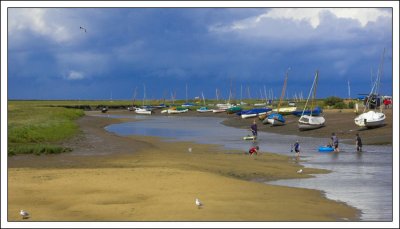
<point x="309" y="122"/>
<point x="372" y="118"/>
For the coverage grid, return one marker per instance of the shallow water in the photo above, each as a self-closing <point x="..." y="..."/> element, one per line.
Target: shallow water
<point x="363" y="180"/>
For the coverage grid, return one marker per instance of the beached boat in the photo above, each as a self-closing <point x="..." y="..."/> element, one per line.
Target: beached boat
<point x="233" y="110"/>
<point x="275" y="119"/>
<point x="373" y="118"/>
<point x="254" y="112"/>
<point x="188" y="104"/>
<point x="370" y="119"/>
<point x="285" y="110"/>
<point x="260" y="104"/>
<point x="310" y="122"/>
<point x="204" y="109"/>
<point x="178" y="110"/>
<point x="218" y="110"/>
<point x="143" y="111"/>
<point x="224" y="105"/>
<point x="317" y="111"/>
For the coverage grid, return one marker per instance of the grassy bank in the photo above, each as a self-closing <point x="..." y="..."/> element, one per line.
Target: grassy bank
<point x="33" y="129"/>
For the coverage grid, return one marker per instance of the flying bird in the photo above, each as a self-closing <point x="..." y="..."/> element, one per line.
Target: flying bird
<point x="198" y="203"/>
<point x="300" y="171"/>
<point x="24" y="214"/>
<point x="80" y="27"/>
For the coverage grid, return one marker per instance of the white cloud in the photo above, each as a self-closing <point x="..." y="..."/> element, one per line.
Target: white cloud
<point x="58" y="25"/>
<point x="74" y="75"/>
<point x="311" y="16"/>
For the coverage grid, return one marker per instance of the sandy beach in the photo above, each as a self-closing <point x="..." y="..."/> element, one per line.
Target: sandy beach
<point x="113" y="178"/>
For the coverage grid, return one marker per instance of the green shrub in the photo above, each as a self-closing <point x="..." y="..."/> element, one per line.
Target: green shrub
<point x="340" y="105"/>
<point x="351" y="105"/>
<point x="332" y="101"/>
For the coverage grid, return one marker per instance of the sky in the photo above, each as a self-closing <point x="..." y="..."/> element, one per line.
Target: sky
<point x="156" y="52"/>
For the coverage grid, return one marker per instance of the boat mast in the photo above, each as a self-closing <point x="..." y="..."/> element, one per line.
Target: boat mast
<point x="309" y="94"/>
<point x="265" y="95"/>
<point x="186" y="94"/>
<point x="241" y="94"/>
<point x="134" y="97"/>
<point x="144" y="93"/>
<point x="348" y="87"/>
<point x="283" y="89"/>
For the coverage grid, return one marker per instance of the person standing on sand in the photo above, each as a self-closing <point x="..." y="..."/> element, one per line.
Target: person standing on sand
<point x="335" y="142"/>
<point x="253" y="129"/>
<point x="358" y="143"/>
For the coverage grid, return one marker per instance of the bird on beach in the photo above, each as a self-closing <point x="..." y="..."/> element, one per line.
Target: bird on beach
<point x="300" y="171"/>
<point x="198" y="203"/>
<point x="24" y="214"/>
<point x="80" y="27"/>
<point x="189" y="150"/>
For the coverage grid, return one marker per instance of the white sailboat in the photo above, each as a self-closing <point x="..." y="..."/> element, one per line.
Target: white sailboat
<point x="373" y="118"/>
<point x="309" y="122"/>
<point x="204" y="108"/>
<point x="143" y="110"/>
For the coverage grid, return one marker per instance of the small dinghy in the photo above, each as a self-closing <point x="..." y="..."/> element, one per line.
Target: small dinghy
<point x="325" y="149"/>
<point x="248" y="137"/>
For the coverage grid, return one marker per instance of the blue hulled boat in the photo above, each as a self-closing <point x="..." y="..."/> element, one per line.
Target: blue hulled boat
<point x="316" y="112"/>
<point x="275" y="119"/>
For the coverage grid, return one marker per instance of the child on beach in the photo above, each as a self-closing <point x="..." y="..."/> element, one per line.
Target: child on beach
<point x="296" y="147"/>
<point x="358" y="143"/>
<point x="335" y="142"/>
<point x="253" y="150"/>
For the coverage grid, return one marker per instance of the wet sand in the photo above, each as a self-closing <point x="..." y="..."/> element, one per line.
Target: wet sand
<point x="113" y="178"/>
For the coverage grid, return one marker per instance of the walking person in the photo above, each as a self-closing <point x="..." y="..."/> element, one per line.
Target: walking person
<point x="335" y="142"/>
<point x="358" y="143"/>
<point x="296" y="147"/>
<point x="253" y="129"/>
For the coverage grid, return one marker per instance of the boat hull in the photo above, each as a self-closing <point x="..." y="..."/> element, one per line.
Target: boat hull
<point x="285" y="110"/>
<point x="275" y="122"/>
<point x="370" y="119"/>
<point x="252" y="115"/>
<point x="307" y="122"/>
<point x="218" y="110"/>
<point x="143" y="112"/>
<point x="177" y="111"/>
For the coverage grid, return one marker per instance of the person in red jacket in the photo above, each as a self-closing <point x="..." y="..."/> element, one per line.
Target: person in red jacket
<point x="253" y="150"/>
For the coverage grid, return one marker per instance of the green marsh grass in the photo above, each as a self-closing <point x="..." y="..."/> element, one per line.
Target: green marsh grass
<point x="34" y="129"/>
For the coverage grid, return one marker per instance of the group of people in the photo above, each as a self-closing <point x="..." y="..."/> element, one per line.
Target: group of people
<point x="296" y="146"/>
<point x="335" y="143"/>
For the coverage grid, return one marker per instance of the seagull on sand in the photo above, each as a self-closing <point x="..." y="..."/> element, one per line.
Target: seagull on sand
<point x="198" y="203"/>
<point x="80" y="27"/>
<point x="300" y="171"/>
<point x="24" y="214"/>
